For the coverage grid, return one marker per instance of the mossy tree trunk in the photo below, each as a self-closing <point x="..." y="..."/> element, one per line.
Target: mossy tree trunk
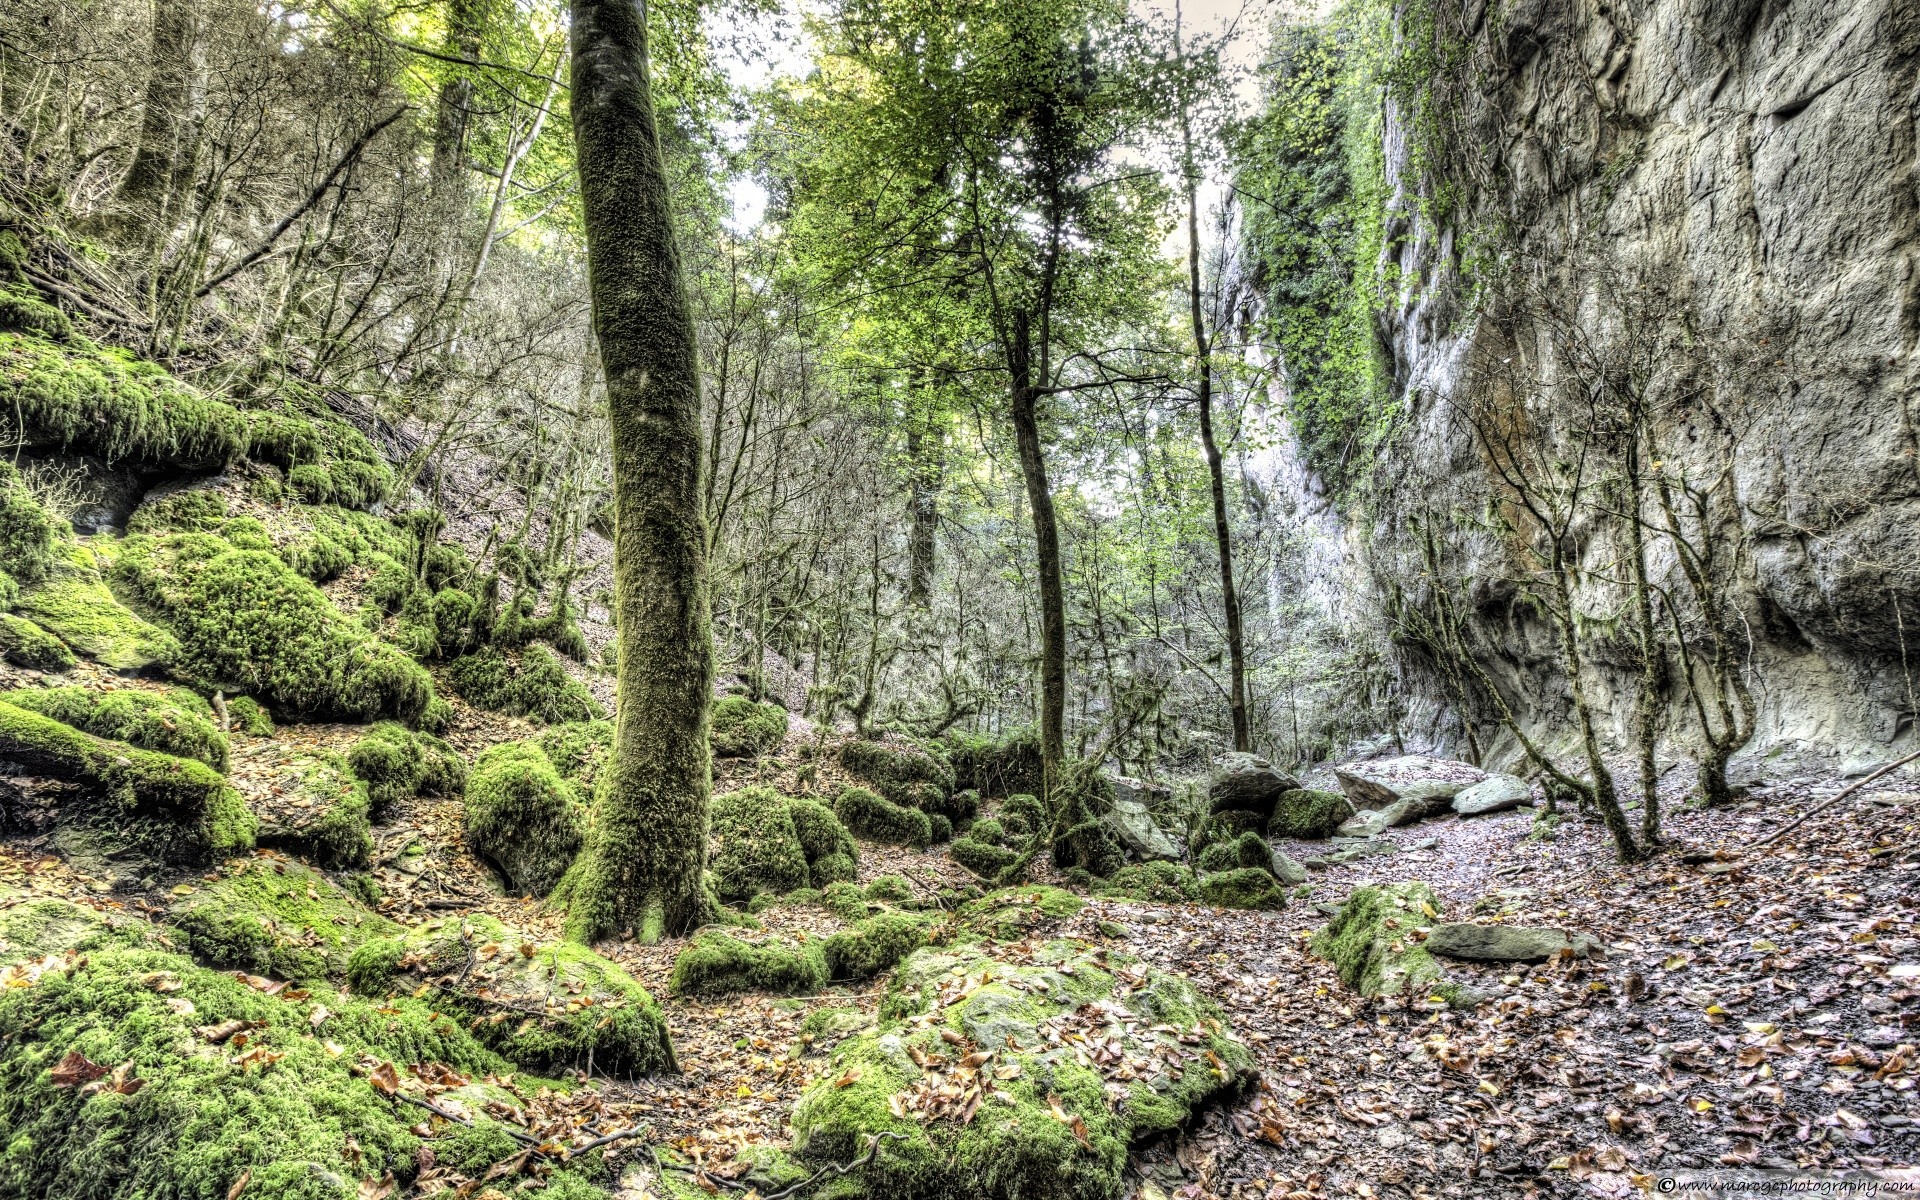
<point x="174" y="109"/>
<point x="641" y="869"/>
<point x="1025" y="400"/>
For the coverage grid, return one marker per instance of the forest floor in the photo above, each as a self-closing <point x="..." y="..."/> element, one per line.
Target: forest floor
<point x="1745" y="1013"/>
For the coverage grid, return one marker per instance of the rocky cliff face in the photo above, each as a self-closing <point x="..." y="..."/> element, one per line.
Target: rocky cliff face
<point x="1731" y="190"/>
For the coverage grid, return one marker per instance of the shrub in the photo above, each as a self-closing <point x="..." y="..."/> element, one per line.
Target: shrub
<point x="523" y="817"/>
<point x="113" y="405"/>
<point x="247" y="623"/>
<point x="745" y="729"/>
<point x="756" y="846"/>
<point x="535" y="686"/>
<point x="717" y="964"/>
<point x="876" y="944"/>
<point x="897" y="771"/>
<point x="172" y="722"/>
<point x="878" y="820"/>
<point x="25" y="644"/>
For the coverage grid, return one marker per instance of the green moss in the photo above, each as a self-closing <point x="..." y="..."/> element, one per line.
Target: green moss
<point x="1308" y="815"/>
<point x="982" y="858"/>
<point x="316" y="557"/>
<point x="22" y="308"/>
<point x="1011" y="914"/>
<point x="30" y="538"/>
<point x="1223" y="827"/>
<point x="891" y="889"/>
<point x="1373" y="940"/>
<point x="191" y="510"/>
<point x="327" y="461"/>
<point x="1154" y="882"/>
<point x="1243" y="887"/>
<point x="276" y="918"/>
<point x="1014" y="1147"/>
<point x="1004" y="766"/>
<point x="874" y="945"/>
<point x="111" y="405"/>
<point x="1024" y="816"/>
<point x="292" y="1113"/>
<point x="869" y="816"/>
<point x="247" y="623"/>
<point x="830" y="850"/>
<point x="174" y="810"/>
<point x="718" y="964"/>
<point x="987" y="830"/>
<point x="36" y="928"/>
<point x="547" y="1006"/>
<point x="906" y="775"/>
<point x="396" y="763"/>
<point x="578" y="749"/>
<point x="77" y="606"/>
<point x="523" y="817"/>
<point x="246" y="715"/>
<point x="169" y="722"/>
<point x="756" y="845"/>
<point x="316" y="807"/>
<point x="845" y="899"/>
<point x="25" y="644"/>
<point x="535" y="685"/>
<point x="1247" y="850"/>
<point x="745" y="729"/>
<point x="939" y="829"/>
<point x="9" y="592"/>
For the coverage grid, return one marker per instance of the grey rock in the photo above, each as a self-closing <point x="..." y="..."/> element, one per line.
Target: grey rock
<point x="1287" y="870"/>
<point x="1374" y="821"/>
<point x="1505" y="943"/>
<point x="1496" y="793"/>
<point x="1364" y="792"/>
<point x="1130" y="822"/>
<point x="1246" y="783"/>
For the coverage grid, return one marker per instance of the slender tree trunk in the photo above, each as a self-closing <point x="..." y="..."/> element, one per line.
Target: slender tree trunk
<point x="641" y="869"/>
<point x="1046" y="541"/>
<point x="924" y="470"/>
<point x="452" y="114"/>
<point x="175" y="107"/>
<point x="1646" y="705"/>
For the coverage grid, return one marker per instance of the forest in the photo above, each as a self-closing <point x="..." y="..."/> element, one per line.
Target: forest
<point x="950" y="599"/>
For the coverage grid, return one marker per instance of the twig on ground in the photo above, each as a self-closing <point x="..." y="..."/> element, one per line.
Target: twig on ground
<point x="1842" y="794"/>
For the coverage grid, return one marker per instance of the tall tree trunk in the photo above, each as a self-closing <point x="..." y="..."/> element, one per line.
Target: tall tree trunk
<point x="925" y="455"/>
<point x="1647" y="699"/>
<point x="641" y="869"/>
<point x="452" y="114"/>
<point x="171" y="117"/>
<point x="1046" y="542"/>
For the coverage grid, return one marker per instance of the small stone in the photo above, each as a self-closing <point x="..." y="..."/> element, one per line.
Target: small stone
<point x="1287" y="870"/>
<point x="1114" y="929"/>
<point x="1505" y="943"/>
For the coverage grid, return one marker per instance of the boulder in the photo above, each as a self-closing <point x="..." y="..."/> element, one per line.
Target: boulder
<point x="1506" y="943"/>
<point x="1432" y="781"/>
<point x="1288" y="870"/>
<point x="1246" y="783"/>
<point x="1373" y="940"/>
<point x="1495" y="793"/>
<point x="1130" y="819"/>
<point x="1373" y="821"/>
<point x="1365" y="793"/>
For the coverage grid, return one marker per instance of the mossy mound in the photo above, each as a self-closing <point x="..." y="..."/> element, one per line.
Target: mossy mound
<point x="76" y="605"/>
<point x="1307" y="815"/>
<point x="743" y="728"/>
<point x="719" y="964"/>
<point x="1156" y="882"/>
<point x="908" y="775"/>
<point x="205" y="1080"/>
<point x="23" y="308"/>
<point x="867" y="948"/>
<point x="175" y="722"/>
<point x="248" y="716"/>
<point x="982" y="858"/>
<point x="247" y="623"/>
<point x="396" y="762"/>
<point x="165" y="809"/>
<point x="832" y="854"/>
<point x="523" y="817"/>
<point x="1247" y="850"/>
<point x="578" y="749"/>
<point x="546" y="1006"/>
<point x="844" y="899"/>
<point x="530" y="683"/>
<point x="1374" y="940"/>
<point x="1024" y="815"/>
<point x="965" y="1071"/>
<point x="891" y="889"/>
<point x="1223" y="827"/>
<point x="112" y="405"/>
<point x="756" y="846"/>
<point x="1002" y="766"/>
<point x="25" y="644"/>
<point x="277" y="918"/>
<point x="313" y="805"/>
<point x="30" y="537"/>
<point x="869" y="815"/>
<point x="1243" y="887"/>
<point x="1013" y="913"/>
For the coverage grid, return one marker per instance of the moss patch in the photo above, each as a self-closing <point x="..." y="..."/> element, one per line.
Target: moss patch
<point x="112" y="405"/>
<point x="578" y="749"/>
<point x="545" y="1006"/>
<point x="523" y="817"/>
<point x="832" y="854"/>
<point x="867" y="948"/>
<point x="175" y="722"/>
<point x="1243" y="887"/>
<point x="743" y="728"/>
<point x="911" y="776"/>
<point x="314" y="805"/>
<point x="719" y="964"/>
<point x="1154" y="882"/>
<point x="756" y="845"/>
<point x="1247" y="850"/>
<point x="1307" y="815"/>
<point x="529" y="684"/>
<point x="77" y="605"/>
<point x="877" y="819"/>
<point x="1013" y="913"/>
<point x="25" y="644"/>
<point x="395" y="763"/>
<point x="1374" y="940"/>
<point x="276" y="918"/>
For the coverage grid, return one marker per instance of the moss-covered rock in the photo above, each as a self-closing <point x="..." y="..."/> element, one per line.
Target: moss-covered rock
<point x="175" y="722"/>
<point x="545" y="1006"/>
<point x="982" y="858"/>
<point x="744" y="728"/>
<point x="276" y="918"/>
<point x="1243" y="887"/>
<point x="845" y="899"/>
<point x="25" y="644"/>
<point x="964" y="1072"/>
<point x="996" y="766"/>
<point x="35" y="928"/>
<point x="868" y="947"/>
<point x="1247" y="850"/>
<point x="313" y="805"/>
<point x="166" y="809"/>
<point x="188" y="510"/>
<point x="1308" y="815"/>
<point x="1156" y="882"/>
<point x="113" y="405"/>
<point x="30" y="538"/>
<point x="396" y="762"/>
<point x="205" y="1080"/>
<point x="1013" y="913"/>
<point x="577" y="750"/>
<point x="1223" y="827"/>
<point x="24" y="309"/>
<point x="908" y="775"/>
<point x="1374" y="941"/>
<point x="891" y="889"/>
<point x="719" y="964"/>
<point x="327" y="461"/>
<point x="76" y="605"/>
<point x="756" y="845"/>
<point x="530" y="683"/>
<point x="871" y="816"/>
<point x="831" y="852"/>
<point x="523" y="817"/>
<point x="248" y="716"/>
<point x="1024" y="815"/>
<point x="247" y="623"/>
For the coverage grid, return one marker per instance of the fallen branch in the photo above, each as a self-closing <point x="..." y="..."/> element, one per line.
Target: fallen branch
<point x="1842" y="794"/>
<point x="873" y="1151"/>
<point x="444" y="1115"/>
